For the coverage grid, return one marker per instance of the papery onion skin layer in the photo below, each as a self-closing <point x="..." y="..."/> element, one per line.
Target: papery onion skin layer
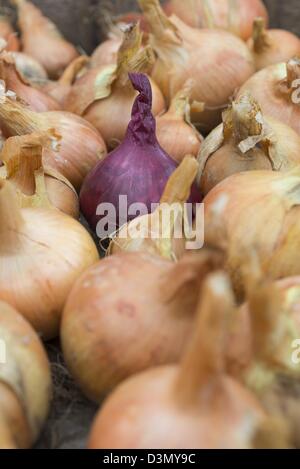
<point x="237" y="17"/>
<point x="257" y="196"/>
<point x="276" y="99"/>
<point x="107" y="52"/>
<point x="24" y="408"/>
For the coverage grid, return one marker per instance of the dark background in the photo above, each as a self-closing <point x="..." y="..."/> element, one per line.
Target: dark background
<point x="83" y="21"/>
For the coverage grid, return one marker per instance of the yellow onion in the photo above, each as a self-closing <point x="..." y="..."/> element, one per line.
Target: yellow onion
<point x="36" y="186"/>
<point x="272" y="46"/>
<point x="42" y="40"/>
<point x="235" y="16"/>
<point x="216" y="60"/>
<point x="25" y="381"/>
<point x="276" y="89"/>
<point x="60" y="89"/>
<point x="256" y="210"/>
<point x="42" y="253"/>
<point x="193" y="404"/>
<point x="36" y="99"/>
<point x="165" y="231"/>
<point x="129" y="312"/>
<point x="104" y="96"/>
<point x="8" y="34"/>
<point x="81" y="148"/>
<point x="28" y="67"/>
<point x="107" y="52"/>
<point x="245" y="141"/>
<point x="174" y="130"/>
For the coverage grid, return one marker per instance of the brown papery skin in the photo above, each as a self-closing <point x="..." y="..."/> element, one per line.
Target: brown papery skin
<point x="229" y="159"/>
<point x="43" y="252"/>
<point x="238" y="20"/>
<point x="23" y="408"/>
<point x="81" y="146"/>
<point x="127" y="313"/>
<point x="7" y="32"/>
<point x="62" y="196"/>
<point x="148" y="401"/>
<point x="36" y="99"/>
<point x="257" y="210"/>
<point x="282" y="46"/>
<point x="106" y="53"/>
<point x="217" y="61"/>
<point x="177" y="137"/>
<point x="274" y="99"/>
<point x="42" y="40"/>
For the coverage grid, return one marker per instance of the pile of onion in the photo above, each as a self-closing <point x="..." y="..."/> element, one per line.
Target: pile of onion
<point x="81" y="148"/>
<point x="60" y="89"/>
<point x="174" y="130"/>
<point x="235" y="16"/>
<point x="138" y="170"/>
<point x="216" y="60"/>
<point x="165" y="232"/>
<point x="246" y="141"/>
<point x="128" y="313"/>
<point x="104" y="96"/>
<point x="36" y="186"/>
<point x="42" y="252"/>
<point x="270" y="202"/>
<point x="42" y="40"/>
<point x="36" y="99"/>
<point x="276" y="89"/>
<point x="197" y="404"/>
<point x="25" y="382"/>
<point x="8" y="34"/>
<point x="272" y="46"/>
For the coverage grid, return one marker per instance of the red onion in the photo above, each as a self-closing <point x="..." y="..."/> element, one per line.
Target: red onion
<point x="139" y="168"/>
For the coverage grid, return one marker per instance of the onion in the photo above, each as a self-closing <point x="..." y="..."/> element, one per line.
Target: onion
<point x="217" y="61"/>
<point x="164" y="232"/>
<point x="37" y="186"/>
<point x="272" y="46"/>
<point x="246" y="141"/>
<point x="81" y="145"/>
<point x="8" y="34"/>
<point x="269" y="201"/>
<point x="128" y="313"/>
<point x="107" y="52"/>
<point x="25" y="382"/>
<point x="42" y="253"/>
<point x="196" y="403"/>
<point x="36" y="99"/>
<point x="105" y="96"/>
<point x="60" y="89"/>
<point x="175" y="133"/>
<point x="29" y="68"/>
<point x="42" y="40"/>
<point x="234" y="15"/>
<point x="138" y="169"/>
<point x="276" y="88"/>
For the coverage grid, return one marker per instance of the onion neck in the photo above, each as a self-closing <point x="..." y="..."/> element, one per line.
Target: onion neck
<point x="179" y="185"/>
<point x="204" y="360"/>
<point x="10" y="218"/>
<point x="180" y="104"/>
<point x="260" y="36"/>
<point x="142" y="127"/>
<point x="163" y="30"/>
<point x="70" y="74"/>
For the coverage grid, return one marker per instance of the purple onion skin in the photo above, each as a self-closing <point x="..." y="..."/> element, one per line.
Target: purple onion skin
<point x="139" y="168"/>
